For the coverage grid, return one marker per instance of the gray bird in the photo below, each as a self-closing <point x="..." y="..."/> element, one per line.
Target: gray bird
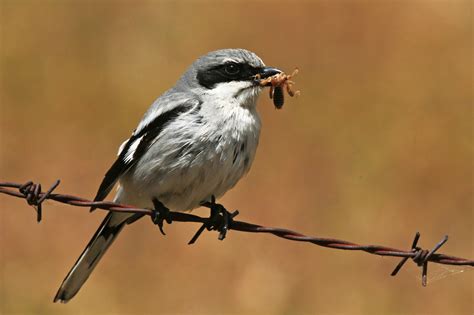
<point x="195" y="142"/>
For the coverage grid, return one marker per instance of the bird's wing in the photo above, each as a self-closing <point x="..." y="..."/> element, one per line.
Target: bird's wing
<point x="163" y="111"/>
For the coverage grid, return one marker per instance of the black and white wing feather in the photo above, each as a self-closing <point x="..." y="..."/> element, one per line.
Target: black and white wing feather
<point x="160" y="114"/>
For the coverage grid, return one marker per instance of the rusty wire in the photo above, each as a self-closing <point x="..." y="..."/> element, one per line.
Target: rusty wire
<point x="34" y="196"/>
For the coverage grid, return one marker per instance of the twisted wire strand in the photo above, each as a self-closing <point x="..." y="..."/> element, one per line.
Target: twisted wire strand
<point x="34" y="196"/>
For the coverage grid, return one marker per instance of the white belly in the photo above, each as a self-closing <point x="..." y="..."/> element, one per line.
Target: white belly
<point x="193" y="159"/>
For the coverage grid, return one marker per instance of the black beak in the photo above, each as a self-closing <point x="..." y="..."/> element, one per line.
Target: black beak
<point x="268" y="72"/>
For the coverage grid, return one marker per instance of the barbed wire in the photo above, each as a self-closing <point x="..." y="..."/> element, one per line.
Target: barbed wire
<point x="35" y="197"/>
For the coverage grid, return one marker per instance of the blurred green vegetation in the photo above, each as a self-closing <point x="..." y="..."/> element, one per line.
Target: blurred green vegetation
<point x="378" y="146"/>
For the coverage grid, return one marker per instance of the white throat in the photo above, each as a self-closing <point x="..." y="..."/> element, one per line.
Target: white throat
<point x="242" y="93"/>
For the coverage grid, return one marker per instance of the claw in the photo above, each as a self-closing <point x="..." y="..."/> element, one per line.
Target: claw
<point x="160" y="214"/>
<point x="220" y="220"/>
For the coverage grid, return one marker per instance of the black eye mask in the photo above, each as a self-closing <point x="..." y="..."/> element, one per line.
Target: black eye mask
<point x="227" y="72"/>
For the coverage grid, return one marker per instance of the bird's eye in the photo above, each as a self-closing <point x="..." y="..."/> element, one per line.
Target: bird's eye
<point x="232" y="68"/>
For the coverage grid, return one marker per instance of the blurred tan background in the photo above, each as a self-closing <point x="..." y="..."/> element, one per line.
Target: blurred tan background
<point x="378" y="146"/>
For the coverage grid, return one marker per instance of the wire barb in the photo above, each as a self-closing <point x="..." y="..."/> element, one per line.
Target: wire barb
<point x="33" y="195"/>
<point x="421" y="257"/>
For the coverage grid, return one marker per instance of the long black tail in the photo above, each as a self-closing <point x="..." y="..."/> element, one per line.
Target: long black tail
<point x="85" y="264"/>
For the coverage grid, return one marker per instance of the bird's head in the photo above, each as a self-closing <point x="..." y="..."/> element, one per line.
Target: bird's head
<point x="228" y="74"/>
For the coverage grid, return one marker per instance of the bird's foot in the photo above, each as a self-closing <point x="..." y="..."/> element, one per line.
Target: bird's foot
<point x="219" y="220"/>
<point x="160" y="215"/>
